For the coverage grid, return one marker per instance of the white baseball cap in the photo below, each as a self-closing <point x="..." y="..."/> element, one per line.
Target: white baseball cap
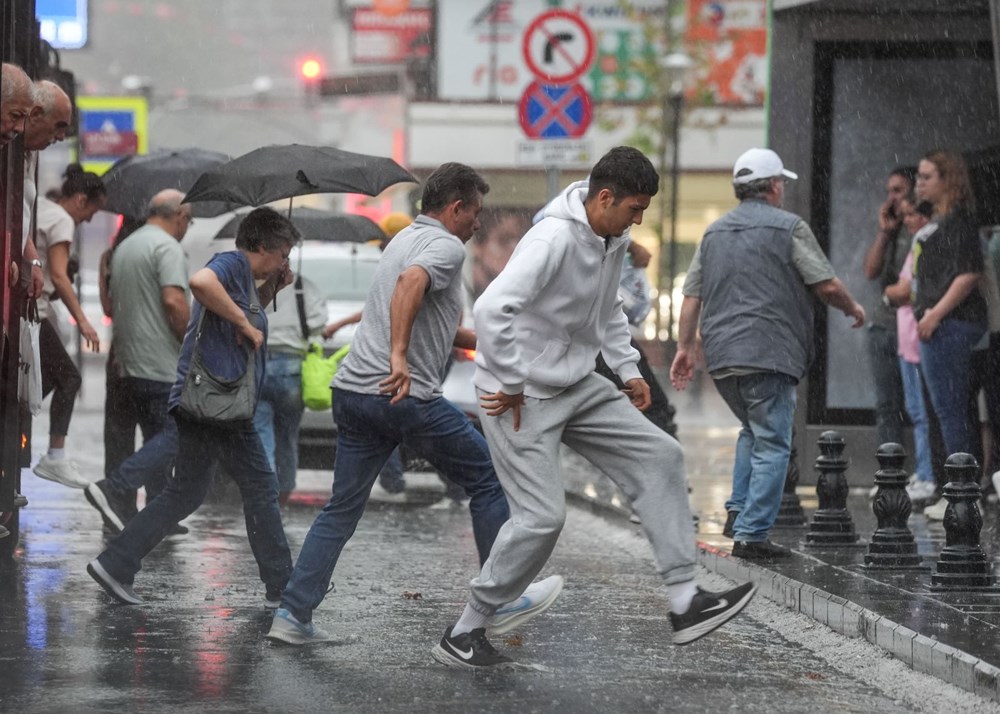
<point x="759" y="164"/>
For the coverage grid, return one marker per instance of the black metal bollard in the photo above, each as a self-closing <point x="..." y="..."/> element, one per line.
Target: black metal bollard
<point x="791" y="514"/>
<point x="831" y="524"/>
<point x="962" y="563"/>
<point x="892" y="544"/>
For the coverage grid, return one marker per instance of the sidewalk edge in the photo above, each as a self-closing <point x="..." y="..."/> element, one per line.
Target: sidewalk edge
<point x="920" y="653"/>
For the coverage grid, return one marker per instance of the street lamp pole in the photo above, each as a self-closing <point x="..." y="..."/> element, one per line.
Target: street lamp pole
<point x="675" y="65"/>
<point x="676" y="106"/>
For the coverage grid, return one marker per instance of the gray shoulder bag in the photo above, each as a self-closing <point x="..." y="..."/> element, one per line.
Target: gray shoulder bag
<point x="208" y="399"/>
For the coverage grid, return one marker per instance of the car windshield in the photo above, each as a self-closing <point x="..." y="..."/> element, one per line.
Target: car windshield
<point x="341" y="277"/>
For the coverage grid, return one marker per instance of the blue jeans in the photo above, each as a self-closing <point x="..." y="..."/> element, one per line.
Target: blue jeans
<point x="944" y="360"/>
<point x="201" y="447"/>
<point x="150" y="466"/>
<point x="391" y="475"/>
<point x="915" y="407"/>
<point x="764" y="402"/>
<point x="279" y="414"/>
<point x="368" y="430"/>
<point x="883" y="360"/>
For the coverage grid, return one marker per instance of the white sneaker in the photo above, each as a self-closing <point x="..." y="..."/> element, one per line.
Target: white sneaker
<point x="995" y="478"/>
<point x="61" y="471"/>
<point x="537" y="598"/>
<point x="920" y="490"/>
<point x="936" y="512"/>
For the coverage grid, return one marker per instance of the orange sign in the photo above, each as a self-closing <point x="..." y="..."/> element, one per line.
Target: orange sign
<point x="390" y="7"/>
<point x="729" y="41"/>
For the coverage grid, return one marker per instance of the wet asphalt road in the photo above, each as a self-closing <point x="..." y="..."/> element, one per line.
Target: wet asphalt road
<point x="198" y="645"/>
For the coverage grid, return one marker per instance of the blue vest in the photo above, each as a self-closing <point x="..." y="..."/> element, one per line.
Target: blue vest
<point x="756" y="311"/>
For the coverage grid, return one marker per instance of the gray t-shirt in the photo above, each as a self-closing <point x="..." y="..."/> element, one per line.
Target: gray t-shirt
<point x="146" y="262"/>
<point x="428" y="244"/>
<point x="809" y="259"/>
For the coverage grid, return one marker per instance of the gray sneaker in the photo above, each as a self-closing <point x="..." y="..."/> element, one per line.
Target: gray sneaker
<point x="118" y="590"/>
<point x="286" y="628"/>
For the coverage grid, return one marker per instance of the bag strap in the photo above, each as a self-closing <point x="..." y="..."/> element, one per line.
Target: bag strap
<point x="300" y="303"/>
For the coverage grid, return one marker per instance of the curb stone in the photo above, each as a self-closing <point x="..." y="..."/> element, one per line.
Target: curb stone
<point x="920" y="653"/>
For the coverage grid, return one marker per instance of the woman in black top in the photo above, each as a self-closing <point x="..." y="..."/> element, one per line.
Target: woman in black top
<point x="950" y="310"/>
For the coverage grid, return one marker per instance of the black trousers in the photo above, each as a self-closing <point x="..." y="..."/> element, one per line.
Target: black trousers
<point x="660" y="412"/>
<point x="59" y="377"/>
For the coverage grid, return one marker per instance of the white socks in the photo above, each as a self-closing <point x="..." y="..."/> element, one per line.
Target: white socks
<point x="471" y="620"/>
<point x="680" y="595"/>
<point x="56" y="453"/>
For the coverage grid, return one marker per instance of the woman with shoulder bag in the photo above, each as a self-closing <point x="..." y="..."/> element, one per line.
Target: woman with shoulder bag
<point x="219" y="375"/>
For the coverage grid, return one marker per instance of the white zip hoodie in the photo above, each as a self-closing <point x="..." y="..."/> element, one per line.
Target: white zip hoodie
<point x="542" y="321"/>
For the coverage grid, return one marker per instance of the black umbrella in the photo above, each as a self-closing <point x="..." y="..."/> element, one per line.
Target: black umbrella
<point x="275" y="172"/>
<point x="134" y="180"/>
<point x="315" y="224"/>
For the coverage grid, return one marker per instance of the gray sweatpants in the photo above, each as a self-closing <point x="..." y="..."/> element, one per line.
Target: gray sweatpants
<point x="595" y="419"/>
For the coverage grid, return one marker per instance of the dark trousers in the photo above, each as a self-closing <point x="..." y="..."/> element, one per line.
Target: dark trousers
<point x="201" y="447"/>
<point x="120" y="422"/>
<point x="660" y="412"/>
<point x="59" y="377"/>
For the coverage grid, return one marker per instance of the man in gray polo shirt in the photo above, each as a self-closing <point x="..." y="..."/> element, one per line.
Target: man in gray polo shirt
<point x="387" y="391"/>
<point x="750" y="283"/>
<point x="149" y="297"/>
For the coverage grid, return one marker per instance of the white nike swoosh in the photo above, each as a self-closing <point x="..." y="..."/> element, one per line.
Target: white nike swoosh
<point x="723" y="604"/>
<point x="461" y="653"/>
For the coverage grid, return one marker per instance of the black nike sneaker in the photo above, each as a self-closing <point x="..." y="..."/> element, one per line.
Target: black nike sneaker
<point x="709" y="611"/>
<point x="470" y="650"/>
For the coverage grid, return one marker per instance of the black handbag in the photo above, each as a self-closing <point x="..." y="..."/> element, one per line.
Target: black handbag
<point x="208" y="399"/>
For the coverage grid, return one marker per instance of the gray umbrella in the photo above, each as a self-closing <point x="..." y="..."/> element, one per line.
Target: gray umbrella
<point x="134" y="180"/>
<point x="315" y="224"/>
<point x="275" y="172"/>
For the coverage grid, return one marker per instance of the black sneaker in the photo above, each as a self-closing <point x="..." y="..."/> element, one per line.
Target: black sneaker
<point x="760" y="550"/>
<point x="727" y="530"/>
<point x="107" y="504"/>
<point x="470" y="650"/>
<point x="708" y="612"/>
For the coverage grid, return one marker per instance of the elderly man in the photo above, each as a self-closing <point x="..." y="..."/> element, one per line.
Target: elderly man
<point x="49" y="118"/>
<point x="47" y="123"/>
<point x="15" y="102"/>
<point x="751" y="283"/>
<point x="148" y="285"/>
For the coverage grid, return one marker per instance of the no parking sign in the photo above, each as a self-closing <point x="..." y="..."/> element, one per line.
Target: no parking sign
<point x="553" y="112"/>
<point x="558" y="48"/>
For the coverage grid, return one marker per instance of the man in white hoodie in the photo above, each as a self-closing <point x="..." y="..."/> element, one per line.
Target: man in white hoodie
<point x="540" y="325"/>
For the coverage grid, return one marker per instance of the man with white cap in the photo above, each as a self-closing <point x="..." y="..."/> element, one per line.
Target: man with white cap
<point x="748" y="290"/>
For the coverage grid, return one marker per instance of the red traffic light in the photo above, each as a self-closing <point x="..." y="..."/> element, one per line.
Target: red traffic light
<point x="310" y="69"/>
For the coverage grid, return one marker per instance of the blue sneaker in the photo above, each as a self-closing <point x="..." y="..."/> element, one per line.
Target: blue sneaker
<point x="286" y="628"/>
<point x="537" y="598"/>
